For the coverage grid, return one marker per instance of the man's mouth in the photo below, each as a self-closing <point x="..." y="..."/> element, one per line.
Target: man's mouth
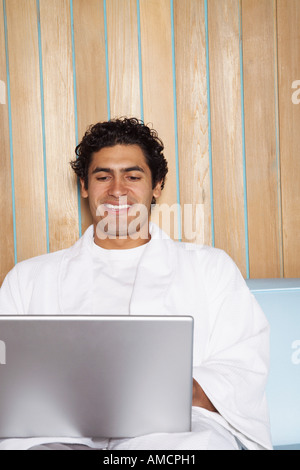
<point x="117" y="207"/>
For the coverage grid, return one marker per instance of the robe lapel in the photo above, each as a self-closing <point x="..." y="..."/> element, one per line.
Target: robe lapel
<point x="153" y="279"/>
<point x="75" y="281"/>
<point x="154" y="276"/>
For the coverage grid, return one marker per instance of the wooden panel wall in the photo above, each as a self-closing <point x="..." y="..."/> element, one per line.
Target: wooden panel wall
<point x="214" y="77"/>
<point x="261" y="126"/>
<point x="26" y="129"/>
<point x="7" y="255"/>
<point x="226" y="115"/>
<point x="289" y="118"/>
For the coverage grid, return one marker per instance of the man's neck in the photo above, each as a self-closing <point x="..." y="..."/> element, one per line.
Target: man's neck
<point x="122" y="242"/>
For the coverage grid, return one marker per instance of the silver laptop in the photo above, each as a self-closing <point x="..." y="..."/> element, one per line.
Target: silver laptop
<point x="95" y="376"/>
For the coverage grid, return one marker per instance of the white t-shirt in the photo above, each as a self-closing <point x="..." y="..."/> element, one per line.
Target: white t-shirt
<point x="114" y="277"/>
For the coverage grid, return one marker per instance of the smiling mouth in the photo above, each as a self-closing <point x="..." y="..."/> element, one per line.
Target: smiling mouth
<point x="117" y="207"/>
<point x="120" y="210"/>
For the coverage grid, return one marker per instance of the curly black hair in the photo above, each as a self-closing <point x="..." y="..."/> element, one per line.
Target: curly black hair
<point x="123" y="131"/>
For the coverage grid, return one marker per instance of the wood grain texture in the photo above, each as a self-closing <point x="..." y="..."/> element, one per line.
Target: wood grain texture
<point x="288" y="20"/>
<point x="6" y="213"/>
<point x="271" y="59"/>
<point x="59" y="122"/>
<point x="156" y="45"/>
<point x="260" y="138"/>
<point x="226" y="128"/>
<point x="26" y="128"/>
<point x="192" y="116"/>
<point x="90" y="69"/>
<point x="123" y="58"/>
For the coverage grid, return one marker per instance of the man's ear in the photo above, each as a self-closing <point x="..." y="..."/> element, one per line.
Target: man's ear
<point x="83" y="190"/>
<point x="157" y="190"/>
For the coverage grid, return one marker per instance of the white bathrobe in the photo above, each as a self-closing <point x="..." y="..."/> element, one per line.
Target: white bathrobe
<point x="231" y="334"/>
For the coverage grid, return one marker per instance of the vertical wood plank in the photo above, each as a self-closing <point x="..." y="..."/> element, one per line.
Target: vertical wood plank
<point x="26" y="128"/>
<point x="89" y="63"/>
<point x="123" y="58"/>
<point x="59" y="122"/>
<point x="6" y="214"/>
<point x="288" y="21"/>
<point x="226" y="128"/>
<point x="192" y="114"/>
<point x="156" y="46"/>
<point x="90" y="73"/>
<point x="260" y="138"/>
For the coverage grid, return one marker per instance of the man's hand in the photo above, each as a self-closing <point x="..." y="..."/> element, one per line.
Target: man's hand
<point x="200" y="398"/>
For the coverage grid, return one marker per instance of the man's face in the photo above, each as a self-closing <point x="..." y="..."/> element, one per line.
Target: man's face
<point x="120" y="194"/>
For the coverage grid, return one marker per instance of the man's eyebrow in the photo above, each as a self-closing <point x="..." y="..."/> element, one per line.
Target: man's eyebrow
<point x="99" y="169"/>
<point x="133" y="168"/>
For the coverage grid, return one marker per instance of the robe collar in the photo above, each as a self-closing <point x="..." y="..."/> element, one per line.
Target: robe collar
<point x="153" y="279"/>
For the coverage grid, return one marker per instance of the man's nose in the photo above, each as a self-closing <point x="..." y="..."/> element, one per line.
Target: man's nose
<point x="117" y="188"/>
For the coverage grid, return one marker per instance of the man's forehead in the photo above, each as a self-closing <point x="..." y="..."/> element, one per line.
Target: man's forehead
<point x="119" y="158"/>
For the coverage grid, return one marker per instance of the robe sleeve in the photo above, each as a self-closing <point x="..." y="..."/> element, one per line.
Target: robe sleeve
<point x="10" y="298"/>
<point x="234" y="371"/>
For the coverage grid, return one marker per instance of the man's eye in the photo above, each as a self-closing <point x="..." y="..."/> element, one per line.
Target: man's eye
<point x="134" y="178"/>
<point x="102" y="178"/>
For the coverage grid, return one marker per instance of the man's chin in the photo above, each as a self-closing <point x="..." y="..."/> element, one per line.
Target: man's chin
<point x="133" y="230"/>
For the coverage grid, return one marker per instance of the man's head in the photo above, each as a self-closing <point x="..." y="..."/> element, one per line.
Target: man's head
<point x="126" y="131"/>
<point x="122" y="171"/>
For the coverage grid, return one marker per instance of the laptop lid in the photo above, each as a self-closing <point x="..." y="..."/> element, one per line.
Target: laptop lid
<point x="95" y="376"/>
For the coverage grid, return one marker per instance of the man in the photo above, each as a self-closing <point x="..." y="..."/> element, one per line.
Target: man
<point x="122" y="171"/>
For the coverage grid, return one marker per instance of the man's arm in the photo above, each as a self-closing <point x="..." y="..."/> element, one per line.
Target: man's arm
<point x="200" y="398"/>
